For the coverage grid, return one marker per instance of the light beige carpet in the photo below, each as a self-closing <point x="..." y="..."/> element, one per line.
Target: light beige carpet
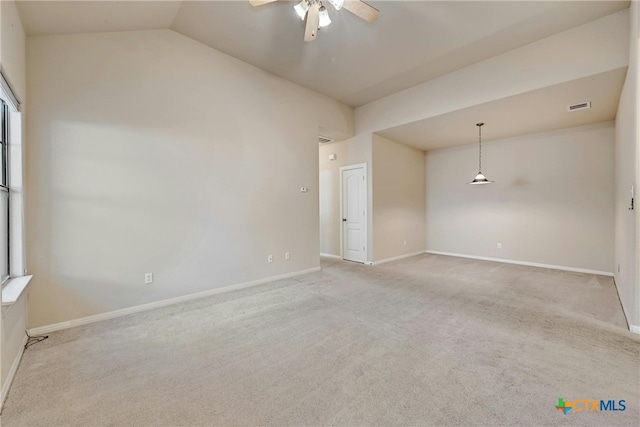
<point x="429" y="340"/>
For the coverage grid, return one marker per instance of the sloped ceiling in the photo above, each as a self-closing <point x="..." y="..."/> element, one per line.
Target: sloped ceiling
<point x="70" y="17"/>
<point x="357" y="62"/>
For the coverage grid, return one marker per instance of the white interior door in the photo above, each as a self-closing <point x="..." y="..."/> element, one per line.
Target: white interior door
<point x="354" y="213"/>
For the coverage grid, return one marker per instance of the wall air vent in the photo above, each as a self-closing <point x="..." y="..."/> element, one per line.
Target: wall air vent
<point x="324" y="139"/>
<point x="581" y="106"/>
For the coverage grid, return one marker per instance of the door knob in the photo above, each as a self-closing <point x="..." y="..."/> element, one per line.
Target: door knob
<point x="344" y="219"/>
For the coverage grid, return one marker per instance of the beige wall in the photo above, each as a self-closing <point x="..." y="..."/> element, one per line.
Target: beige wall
<point x="347" y="152"/>
<point x="150" y="152"/>
<point x="576" y="53"/>
<point x="635" y="45"/>
<point x="396" y="196"/>
<point x="552" y="201"/>
<point x="12" y="61"/>
<point x="627" y="170"/>
<point x="13" y="49"/>
<point x="398" y="199"/>
<point x="14" y="320"/>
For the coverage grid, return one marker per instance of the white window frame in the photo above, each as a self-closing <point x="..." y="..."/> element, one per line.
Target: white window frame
<point x="12" y="146"/>
<point x="5" y="190"/>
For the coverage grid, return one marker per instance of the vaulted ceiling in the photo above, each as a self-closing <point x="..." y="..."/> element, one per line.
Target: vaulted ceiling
<point x="352" y="61"/>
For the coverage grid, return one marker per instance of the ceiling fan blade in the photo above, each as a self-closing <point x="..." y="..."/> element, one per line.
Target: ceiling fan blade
<point x="260" y="2"/>
<point x="313" y="19"/>
<point x="362" y="10"/>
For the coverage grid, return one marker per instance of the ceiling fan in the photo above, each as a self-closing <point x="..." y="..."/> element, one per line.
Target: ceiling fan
<point x="318" y="17"/>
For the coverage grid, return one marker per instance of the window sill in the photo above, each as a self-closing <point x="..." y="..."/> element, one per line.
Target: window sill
<point x="14" y="287"/>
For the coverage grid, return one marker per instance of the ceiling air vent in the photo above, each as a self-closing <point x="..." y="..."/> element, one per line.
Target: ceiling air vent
<point x="324" y="139"/>
<point x="581" y="106"/>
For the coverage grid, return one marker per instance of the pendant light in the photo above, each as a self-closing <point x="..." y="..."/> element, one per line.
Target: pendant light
<point x="480" y="178"/>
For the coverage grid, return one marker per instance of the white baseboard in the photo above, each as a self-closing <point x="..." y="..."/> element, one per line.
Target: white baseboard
<point x="12" y="373"/>
<point x="396" y="258"/>
<point x="530" y="264"/>
<point x="624" y="311"/>
<point x="330" y="256"/>
<point x="150" y="306"/>
<point x="635" y="329"/>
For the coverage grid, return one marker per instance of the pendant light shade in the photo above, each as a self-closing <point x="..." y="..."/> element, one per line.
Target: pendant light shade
<point x="324" y="19"/>
<point x="301" y="8"/>
<point x="480" y="178"/>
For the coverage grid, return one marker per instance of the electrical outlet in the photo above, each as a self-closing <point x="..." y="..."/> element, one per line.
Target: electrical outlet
<point x="270" y="258"/>
<point x="404" y="242"/>
<point x="287" y="255"/>
<point x="499" y="245"/>
<point x="148" y="278"/>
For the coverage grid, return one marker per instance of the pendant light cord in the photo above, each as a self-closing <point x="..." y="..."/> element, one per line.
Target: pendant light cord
<point x="480" y="147"/>
<point x="480" y="150"/>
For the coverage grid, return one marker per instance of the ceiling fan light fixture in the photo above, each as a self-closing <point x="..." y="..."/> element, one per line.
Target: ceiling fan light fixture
<point x="315" y="15"/>
<point x="337" y="3"/>
<point x="324" y="17"/>
<point x="301" y="8"/>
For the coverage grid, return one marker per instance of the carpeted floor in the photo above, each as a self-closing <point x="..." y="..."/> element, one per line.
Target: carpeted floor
<point x="429" y="340"/>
